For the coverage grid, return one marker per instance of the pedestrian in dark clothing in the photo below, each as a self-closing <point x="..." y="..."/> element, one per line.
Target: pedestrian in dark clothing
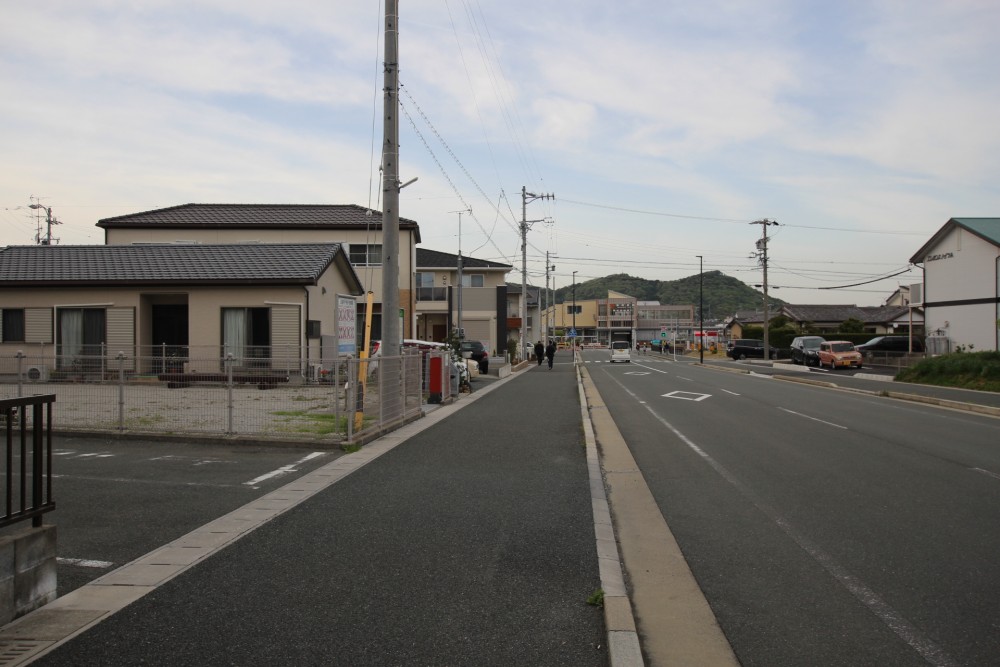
<point x="539" y="352"/>
<point x="550" y="353"/>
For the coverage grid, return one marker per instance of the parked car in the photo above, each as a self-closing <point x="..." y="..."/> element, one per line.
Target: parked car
<point x="805" y="350"/>
<point x="621" y="351"/>
<point x="744" y="348"/>
<point x="837" y="353"/>
<point x="891" y="345"/>
<point x="475" y="350"/>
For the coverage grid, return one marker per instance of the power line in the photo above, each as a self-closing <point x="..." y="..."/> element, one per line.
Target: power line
<point x="737" y="221"/>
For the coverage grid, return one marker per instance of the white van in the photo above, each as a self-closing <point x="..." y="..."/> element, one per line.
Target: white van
<point x="621" y="350"/>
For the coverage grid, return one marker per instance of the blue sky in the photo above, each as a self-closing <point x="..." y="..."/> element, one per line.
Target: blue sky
<point x="663" y="129"/>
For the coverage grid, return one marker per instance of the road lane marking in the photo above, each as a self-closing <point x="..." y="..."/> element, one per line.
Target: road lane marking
<point x="731" y="392"/>
<point x="655" y="370"/>
<point x="636" y="373"/>
<point x="931" y="652"/>
<point x="684" y="378"/>
<point x="132" y="480"/>
<point x="986" y="472"/>
<point x="283" y="470"/>
<point x="83" y="562"/>
<point x="799" y="414"/>
<point x="686" y="396"/>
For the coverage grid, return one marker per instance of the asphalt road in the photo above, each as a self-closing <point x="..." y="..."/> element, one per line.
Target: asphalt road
<point x="825" y="527"/>
<point x="470" y="543"/>
<point x="117" y="499"/>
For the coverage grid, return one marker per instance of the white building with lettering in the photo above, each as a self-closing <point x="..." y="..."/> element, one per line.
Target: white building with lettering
<point x="961" y="298"/>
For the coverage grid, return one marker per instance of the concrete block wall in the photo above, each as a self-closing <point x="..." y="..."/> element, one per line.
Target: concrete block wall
<point x="27" y="571"/>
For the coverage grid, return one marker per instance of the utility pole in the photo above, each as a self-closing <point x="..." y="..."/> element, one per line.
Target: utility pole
<point x="545" y="298"/>
<point x="461" y="332"/>
<point x="762" y="256"/>
<point x="391" y="334"/>
<point x="525" y="198"/>
<point x="49" y="221"/>
<point x="701" y="309"/>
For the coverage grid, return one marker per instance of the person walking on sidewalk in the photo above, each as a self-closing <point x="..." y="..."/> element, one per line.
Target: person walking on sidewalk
<point x="539" y="352"/>
<point x="550" y="353"/>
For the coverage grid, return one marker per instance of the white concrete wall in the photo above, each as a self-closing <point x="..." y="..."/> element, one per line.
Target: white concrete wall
<point x="962" y="267"/>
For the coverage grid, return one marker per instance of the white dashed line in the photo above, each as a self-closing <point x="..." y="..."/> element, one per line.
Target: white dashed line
<point x="799" y="414"/>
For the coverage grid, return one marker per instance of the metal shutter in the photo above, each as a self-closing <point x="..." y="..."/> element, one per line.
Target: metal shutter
<point x="37" y="325"/>
<point x="478" y="330"/>
<point x="286" y="337"/>
<point x="121" y="336"/>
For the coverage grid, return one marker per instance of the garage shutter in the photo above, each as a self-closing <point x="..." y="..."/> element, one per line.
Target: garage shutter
<point x="479" y="330"/>
<point x="121" y="336"/>
<point x="37" y="325"/>
<point x="286" y="337"/>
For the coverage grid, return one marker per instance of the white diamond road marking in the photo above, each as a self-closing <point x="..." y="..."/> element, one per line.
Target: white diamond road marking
<point x="687" y="396"/>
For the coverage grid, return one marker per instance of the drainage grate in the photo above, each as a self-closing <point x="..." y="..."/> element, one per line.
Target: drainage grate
<point x="17" y="651"/>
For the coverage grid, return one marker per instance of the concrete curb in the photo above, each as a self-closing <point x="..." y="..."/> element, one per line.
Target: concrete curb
<point x="666" y="604"/>
<point x="623" y="640"/>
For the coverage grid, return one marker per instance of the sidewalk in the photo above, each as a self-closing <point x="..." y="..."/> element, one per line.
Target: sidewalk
<point x="466" y="538"/>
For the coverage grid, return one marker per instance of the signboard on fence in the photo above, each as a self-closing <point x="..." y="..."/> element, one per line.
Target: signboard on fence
<point x="345" y="319"/>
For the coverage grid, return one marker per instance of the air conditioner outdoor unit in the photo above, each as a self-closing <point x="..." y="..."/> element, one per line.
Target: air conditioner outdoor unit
<point x="38" y="374"/>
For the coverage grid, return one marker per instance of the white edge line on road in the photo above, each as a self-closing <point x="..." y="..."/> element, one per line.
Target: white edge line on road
<point x="931" y="652"/>
<point x="986" y="472"/>
<point x="731" y="392"/>
<point x="799" y="414"/>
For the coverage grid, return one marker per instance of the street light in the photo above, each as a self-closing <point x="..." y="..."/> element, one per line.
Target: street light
<point x="574" y="310"/>
<point x="701" y="307"/>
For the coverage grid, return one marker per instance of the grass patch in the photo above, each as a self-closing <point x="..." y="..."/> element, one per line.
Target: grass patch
<point x="966" y="370"/>
<point x="314" y="422"/>
<point x="596" y="598"/>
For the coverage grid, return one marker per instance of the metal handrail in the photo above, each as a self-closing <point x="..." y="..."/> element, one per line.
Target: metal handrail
<point x="37" y="479"/>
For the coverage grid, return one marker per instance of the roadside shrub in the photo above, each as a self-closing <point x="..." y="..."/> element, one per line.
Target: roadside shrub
<point x="969" y="370"/>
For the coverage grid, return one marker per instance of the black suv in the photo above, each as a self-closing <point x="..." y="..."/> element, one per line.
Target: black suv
<point x="749" y="347"/>
<point x="891" y="345"/>
<point x="473" y="349"/>
<point x="805" y="350"/>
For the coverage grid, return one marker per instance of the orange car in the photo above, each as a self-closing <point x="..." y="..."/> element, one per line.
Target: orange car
<point x="834" y="353"/>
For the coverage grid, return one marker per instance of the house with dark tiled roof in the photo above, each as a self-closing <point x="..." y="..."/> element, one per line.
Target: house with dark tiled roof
<point x="480" y="305"/>
<point x="357" y="228"/>
<point x="825" y="319"/>
<point x="961" y="288"/>
<point x="268" y="305"/>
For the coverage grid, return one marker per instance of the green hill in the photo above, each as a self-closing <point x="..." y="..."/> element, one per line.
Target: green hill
<point x="723" y="295"/>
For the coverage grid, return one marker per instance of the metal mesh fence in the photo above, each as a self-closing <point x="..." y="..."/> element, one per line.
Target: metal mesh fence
<point x="275" y="397"/>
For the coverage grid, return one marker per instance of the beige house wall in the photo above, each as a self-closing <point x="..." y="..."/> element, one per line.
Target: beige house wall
<point x="370" y="276"/>
<point x="204" y="304"/>
<point x="479" y="307"/>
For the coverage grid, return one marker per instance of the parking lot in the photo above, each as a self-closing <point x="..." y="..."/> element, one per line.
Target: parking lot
<point x="117" y="499"/>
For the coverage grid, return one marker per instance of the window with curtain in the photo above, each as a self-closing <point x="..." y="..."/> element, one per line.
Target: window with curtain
<point x="81" y="334"/>
<point x="246" y="333"/>
<point x="12" y="325"/>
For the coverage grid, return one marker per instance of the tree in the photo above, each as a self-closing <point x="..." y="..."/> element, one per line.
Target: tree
<point x="852" y="325"/>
